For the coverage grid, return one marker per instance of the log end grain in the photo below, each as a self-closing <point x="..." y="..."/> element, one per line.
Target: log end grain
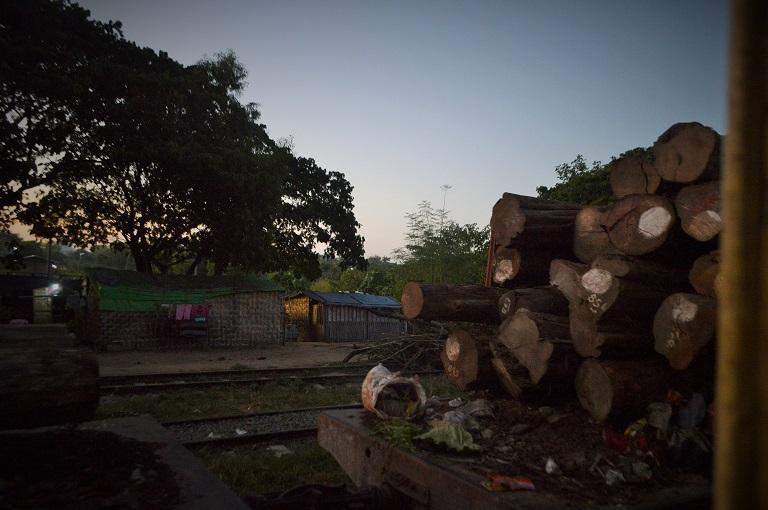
<point x="594" y="389"/>
<point x="684" y="323"/>
<point x="686" y="152"/>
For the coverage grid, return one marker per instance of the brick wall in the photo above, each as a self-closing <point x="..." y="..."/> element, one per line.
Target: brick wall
<point x="238" y="320"/>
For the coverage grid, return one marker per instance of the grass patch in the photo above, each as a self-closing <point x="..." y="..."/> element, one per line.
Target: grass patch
<point x="259" y="471"/>
<point x="227" y="400"/>
<point x="237" y="399"/>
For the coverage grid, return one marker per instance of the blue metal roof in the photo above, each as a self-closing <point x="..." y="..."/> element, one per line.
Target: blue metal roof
<point x="360" y="299"/>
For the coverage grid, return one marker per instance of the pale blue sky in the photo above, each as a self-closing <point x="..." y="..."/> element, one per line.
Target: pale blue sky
<point x="485" y="96"/>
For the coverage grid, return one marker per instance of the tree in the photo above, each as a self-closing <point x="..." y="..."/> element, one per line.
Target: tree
<point x="145" y="154"/>
<point x="583" y="184"/>
<point x="49" y="52"/>
<point x="450" y="253"/>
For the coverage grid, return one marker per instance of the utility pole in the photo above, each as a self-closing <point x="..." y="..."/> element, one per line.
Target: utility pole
<point x="441" y="252"/>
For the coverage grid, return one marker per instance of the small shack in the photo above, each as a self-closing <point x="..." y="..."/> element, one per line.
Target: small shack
<point x="130" y="310"/>
<point x="343" y="316"/>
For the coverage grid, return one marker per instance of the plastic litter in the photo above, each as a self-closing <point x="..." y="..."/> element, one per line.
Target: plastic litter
<point x="612" y="477"/>
<point x="693" y="412"/>
<point x="450" y="435"/>
<point x="659" y="414"/>
<point x="642" y="470"/>
<point x="551" y="467"/>
<point x="503" y="483"/>
<point x="241" y="432"/>
<point x="278" y="450"/>
<point x="389" y="395"/>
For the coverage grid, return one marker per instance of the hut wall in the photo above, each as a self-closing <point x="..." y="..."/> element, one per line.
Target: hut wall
<point x="237" y="320"/>
<point x="349" y="323"/>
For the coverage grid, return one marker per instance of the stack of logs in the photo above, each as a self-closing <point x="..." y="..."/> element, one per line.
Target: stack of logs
<point x="616" y="304"/>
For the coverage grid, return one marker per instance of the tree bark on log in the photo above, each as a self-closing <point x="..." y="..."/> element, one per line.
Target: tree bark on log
<point x="649" y="272"/>
<point x="705" y="274"/>
<point x="515" y="216"/>
<point x="698" y="207"/>
<point x="433" y="301"/>
<point x="590" y="239"/>
<point x="47" y="386"/>
<point x="546" y="299"/>
<point x="621" y="388"/>
<point x="684" y="323"/>
<point x="467" y="361"/>
<point x="687" y="152"/>
<point x="633" y="176"/>
<point x="639" y="224"/>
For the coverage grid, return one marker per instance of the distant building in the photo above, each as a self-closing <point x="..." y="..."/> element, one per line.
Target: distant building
<point x="343" y="316"/>
<point x="131" y="310"/>
<point x="38" y="299"/>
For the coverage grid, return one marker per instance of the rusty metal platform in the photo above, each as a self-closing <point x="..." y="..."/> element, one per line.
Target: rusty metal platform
<point x="440" y="482"/>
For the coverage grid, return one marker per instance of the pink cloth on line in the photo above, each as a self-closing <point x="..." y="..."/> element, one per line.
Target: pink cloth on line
<point x="187" y="312"/>
<point x="199" y="311"/>
<point x="179" y="312"/>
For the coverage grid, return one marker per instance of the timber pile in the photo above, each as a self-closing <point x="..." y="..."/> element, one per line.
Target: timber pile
<point x="611" y="305"/>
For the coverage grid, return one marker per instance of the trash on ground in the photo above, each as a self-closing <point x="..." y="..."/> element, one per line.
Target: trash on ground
<point x="451" y="436"/>
<point x="389" y="395"/>
<point x="551" y="467"/>
<point x="278" y="450"/>
<point x="503" y="483"/>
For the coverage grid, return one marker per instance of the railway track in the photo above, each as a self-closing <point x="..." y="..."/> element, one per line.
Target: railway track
<point x="250" y="429"/>
<point x="147" y="383"/>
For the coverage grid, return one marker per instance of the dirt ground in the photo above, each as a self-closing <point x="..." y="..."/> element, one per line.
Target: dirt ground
<point x="299" y="354"/>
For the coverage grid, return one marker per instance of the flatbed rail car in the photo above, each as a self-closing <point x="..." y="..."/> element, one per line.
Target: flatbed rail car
<point x="426" y="480"/>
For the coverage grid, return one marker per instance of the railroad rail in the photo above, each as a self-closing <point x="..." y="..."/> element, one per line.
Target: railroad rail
<point x="147" y="383"/>
<point x="253" y="428"/>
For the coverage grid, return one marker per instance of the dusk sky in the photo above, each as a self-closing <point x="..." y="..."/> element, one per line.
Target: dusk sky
<point x="487" y="97"/>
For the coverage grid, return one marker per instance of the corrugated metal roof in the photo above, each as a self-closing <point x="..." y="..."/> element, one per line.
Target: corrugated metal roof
<point x="360" y="299"/>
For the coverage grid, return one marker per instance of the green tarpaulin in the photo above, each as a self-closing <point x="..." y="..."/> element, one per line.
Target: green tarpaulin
<point x="128" y="291"/>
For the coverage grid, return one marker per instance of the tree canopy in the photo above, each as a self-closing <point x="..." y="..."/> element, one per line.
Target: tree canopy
<point x="580" y="183"/>
<point x="108" y="143"/>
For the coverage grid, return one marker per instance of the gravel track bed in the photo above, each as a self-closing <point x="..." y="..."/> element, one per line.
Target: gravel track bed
<point x="199" y="431"/>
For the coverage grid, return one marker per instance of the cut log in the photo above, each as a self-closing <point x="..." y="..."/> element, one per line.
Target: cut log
<point x="621" y="388"/>
<point x="639" y="224"/>
<point x="506" y="265"/>
<point x="515" y="377"/>
<point x="432" y="301"/>
<point x="592" y="293"/>
<point x="541" y="220"/>
<point x="467" y="361"/>
<point x="547" y="299"/>
<point x="529" y="335"/>
<point x="687" y="152"/>
<point x="525" y="266"/>
<point x="47" y="386"/>
<point x="633" y="176"/>
<point x="653" y="274"/>
<point x="698" y="207"/>
<point x="590" y="238"/>
<point x="705" y="274"/>
<point x="684" y="323"/>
